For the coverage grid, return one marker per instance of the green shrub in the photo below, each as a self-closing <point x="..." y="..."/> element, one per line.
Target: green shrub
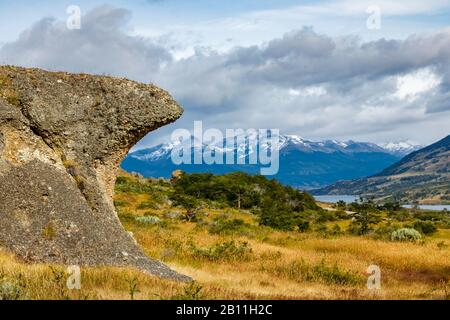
<point x="426" y="227"/>
<point x="227" y="251"/>
<point x="342" y="215"/>
<point x="148" y="220"/>
<point x="321" y="229"/>
<point x="190" y="203"/>
<point x="10" y="291"/>
<point x="303" y="225"/>
<point x="340" y="205"/>
<point x="405" y="234"/>
<point x="334" y="275"/>
<point x="301" y="271"/>
<point x="402" y="215"/>
<point x="363" y="221"/>
<point x="282" y="218"/>
<point x="430" y="216"/>
<point x="11" y="288"/>
<point x="222" y="225"/>
<point x="242" y="191"/>
<point x="126" y="185"/>
<point x="385" y="232"/>
<point x="149" y="204"/>
<point x="336" y="230"/>
<point x="120" y="203"/>
<point x="191" y="291"/>
<point x="326" y="215"/>
<point x="277" y="218"/>
<point x="126" y="216"/>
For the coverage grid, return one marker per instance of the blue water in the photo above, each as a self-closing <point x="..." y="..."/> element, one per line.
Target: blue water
<point x="334" y="199"/>
<point x="349" y="199"/>
<point x="435" y="207"/>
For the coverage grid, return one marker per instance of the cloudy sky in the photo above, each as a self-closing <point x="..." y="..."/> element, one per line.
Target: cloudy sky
<point x="343" y="69"/>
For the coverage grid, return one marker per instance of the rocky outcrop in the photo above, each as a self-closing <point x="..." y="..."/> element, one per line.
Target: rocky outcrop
<point x="62" y="138"/>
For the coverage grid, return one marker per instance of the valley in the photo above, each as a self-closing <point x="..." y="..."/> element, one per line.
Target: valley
<point x="303" y="163"/>
<point x="231" y="255"/>
<point x="422" y="177"/>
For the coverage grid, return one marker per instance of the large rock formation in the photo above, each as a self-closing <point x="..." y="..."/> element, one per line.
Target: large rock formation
<point x="62" y="138"/>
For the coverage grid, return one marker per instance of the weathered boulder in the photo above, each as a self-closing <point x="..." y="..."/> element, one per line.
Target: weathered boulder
<point x="62" y="138"/>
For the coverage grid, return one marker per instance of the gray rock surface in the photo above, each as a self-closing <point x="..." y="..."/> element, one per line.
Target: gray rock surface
<point x="62" y="138"/>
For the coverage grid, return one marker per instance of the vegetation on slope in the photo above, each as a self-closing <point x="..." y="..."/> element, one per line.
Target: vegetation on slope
<point x="234" y="253"/>
<point x="422" y="176"/>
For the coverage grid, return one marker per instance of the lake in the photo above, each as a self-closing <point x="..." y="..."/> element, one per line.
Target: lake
<point x="336" y="198"/>
<point x="349" y="199"/>
<point x="436" y="207"/>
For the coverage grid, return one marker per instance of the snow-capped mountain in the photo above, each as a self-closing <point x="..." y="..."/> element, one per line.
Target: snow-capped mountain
<point x="303" y="163"/>
<point x="401" y="148"/>
<point x="244" y="145"/>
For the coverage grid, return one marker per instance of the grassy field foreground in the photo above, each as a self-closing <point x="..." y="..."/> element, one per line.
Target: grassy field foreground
<point x="231" y="256"/>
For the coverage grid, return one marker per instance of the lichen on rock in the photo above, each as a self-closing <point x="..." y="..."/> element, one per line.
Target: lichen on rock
<point x="62" y="139"/>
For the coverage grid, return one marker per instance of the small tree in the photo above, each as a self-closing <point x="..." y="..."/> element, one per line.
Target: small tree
<point x="365" y="216"/>
<point x="341" y="205"/>
<point x="364" y="219"/>
<point x="189" y="203"/>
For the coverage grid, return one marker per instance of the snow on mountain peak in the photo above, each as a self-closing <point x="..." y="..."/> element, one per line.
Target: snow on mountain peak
<point x="401" y="147"/>
<point x="246" y="143"/>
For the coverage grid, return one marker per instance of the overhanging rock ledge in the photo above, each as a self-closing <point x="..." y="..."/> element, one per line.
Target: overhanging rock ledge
<point x="62" y="138"/>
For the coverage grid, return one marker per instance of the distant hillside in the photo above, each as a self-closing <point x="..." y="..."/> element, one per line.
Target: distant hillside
<point x="422" y="176"/>
<point x="303" y="163"/>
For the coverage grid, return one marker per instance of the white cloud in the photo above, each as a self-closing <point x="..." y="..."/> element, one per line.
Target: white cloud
<point x="411" y="85"/>
<point x="303" y="82"/>
<point x="397" y="8"/>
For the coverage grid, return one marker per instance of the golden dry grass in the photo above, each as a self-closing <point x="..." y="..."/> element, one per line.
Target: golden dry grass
<point x="281" y="265"/>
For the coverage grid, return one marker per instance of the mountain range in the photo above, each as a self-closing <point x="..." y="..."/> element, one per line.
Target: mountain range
<point x="421" y="176"/>
<point x="304" y="163"/>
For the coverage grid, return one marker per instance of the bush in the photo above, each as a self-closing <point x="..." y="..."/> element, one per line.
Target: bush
<point x="334" y="275"/>
<point x="303" y="225"/>
<point x="340" y="205"/>
<point x="120" y="203"/>
<point x="11" y="288"/>
<point x="321" y="229"/>
<point x="429" y="215"/>
<point x="281" y="217"/>
<point x="402" y="215"/>
<point x="149" y="204"/>
<point x="190" y="203"/>
<point x="148" y="220"/>
<point x="10" y="291"/>
<point x="227" y="251"/>
<point x="342" y="215"/>
<point x="277" y="218"/>
<point x="126" y="185"/>
<point x="336" y="230"/>
<point x="363" y="220"/>
<point x="222" y="225"/>
<point x="426" y="227"/>
<point x="301" y="271"/>
<point x="242" y="191"/>
<point x="325" y="216"/>
<point x="385" y="232"/>
<point x="191" y="291"/>
<point x="405" y="234"/>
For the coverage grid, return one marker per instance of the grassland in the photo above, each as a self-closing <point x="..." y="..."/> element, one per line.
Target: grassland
<point x="231" y="256"/>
